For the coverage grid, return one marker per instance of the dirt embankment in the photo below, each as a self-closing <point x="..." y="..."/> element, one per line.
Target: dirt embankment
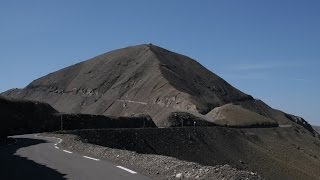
<point x="237" y="116"/>
<point x="316" y="128"/>
<point x="275" y="153"/>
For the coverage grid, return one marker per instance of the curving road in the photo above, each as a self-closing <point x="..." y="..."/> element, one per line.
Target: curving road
<point x="35" y="157"/>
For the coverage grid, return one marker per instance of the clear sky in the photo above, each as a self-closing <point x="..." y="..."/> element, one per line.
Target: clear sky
<point x="267" y="48"/>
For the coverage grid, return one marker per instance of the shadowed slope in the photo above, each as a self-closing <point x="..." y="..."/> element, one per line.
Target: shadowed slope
<point x="22" y="116"/>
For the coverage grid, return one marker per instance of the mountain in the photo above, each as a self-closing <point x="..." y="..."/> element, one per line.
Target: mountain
<point x="316" y="128"/>
<point x="147" y="79"/>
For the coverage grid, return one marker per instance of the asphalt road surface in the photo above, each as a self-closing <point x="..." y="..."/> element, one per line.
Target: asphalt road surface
<point x="35" y="157"/>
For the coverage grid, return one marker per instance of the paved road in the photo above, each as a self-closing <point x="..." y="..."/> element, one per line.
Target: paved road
<point x="35" y="157"/>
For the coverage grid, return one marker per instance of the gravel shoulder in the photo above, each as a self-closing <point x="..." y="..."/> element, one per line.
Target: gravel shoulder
<point x="204" y="152"/>
<point x="154" y="166"/>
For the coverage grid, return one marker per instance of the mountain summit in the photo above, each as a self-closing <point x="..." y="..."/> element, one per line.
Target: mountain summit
<point x="147" y="79"/>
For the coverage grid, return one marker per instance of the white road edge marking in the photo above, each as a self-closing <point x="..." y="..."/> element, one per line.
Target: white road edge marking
<point x="130" y="171"/>
<point x="91" y="158"/>
<point x="67" y="151"/>
<point x="60" y="140"/>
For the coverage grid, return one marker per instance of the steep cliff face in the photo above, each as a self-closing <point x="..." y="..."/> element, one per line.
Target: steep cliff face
<point x="143" y="79"/>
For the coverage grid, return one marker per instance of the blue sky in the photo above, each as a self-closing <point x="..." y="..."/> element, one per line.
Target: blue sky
<point x="267" y="48"/>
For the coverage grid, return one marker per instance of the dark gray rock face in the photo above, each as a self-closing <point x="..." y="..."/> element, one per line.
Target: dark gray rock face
<point x="143" y="79"/>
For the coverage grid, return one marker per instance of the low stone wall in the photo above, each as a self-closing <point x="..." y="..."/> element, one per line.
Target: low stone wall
<point x="184" y="119"/>
<point x="88" y="121"/>
<point x="23" y="117"/>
